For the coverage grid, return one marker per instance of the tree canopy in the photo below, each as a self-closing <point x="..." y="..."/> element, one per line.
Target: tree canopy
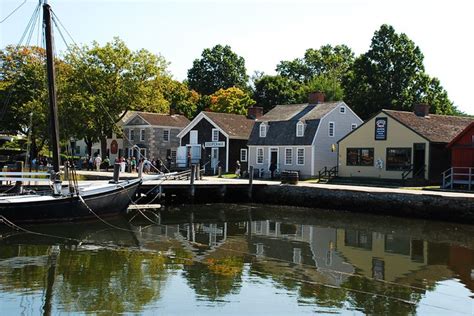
<point x="231" y="100"/>
<point x="218" y="68"/>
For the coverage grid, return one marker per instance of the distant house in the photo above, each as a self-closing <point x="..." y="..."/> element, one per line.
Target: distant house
<point x="216" y="139"/>
<point x="153" y="135"/>
<point x="462" y="159"/>
<point x="300" y="137"/>
<point x="398" y="144"/>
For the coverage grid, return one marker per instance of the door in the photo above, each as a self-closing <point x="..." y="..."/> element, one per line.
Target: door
<point x="274" y="158"/>
<point x="214" y="159"/>
<point x="419" y="160"/>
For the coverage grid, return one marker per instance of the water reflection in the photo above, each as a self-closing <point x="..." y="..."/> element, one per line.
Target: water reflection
<point x="224" y="255"/>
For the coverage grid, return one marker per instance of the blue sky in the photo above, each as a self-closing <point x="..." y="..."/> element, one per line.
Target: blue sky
<point x="265" y="32"/>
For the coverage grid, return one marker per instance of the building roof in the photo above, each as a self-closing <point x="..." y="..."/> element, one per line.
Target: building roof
<point x="304" y="111"/>
<point x="461" y="134"/>
<point x="235" y="125"/>
<point x="160" y="119"/>
<point x="435" y="128"/>
<point x="282" y="120"/>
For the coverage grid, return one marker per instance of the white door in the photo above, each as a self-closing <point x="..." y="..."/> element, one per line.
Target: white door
<point x="193" y="137"/>
<point x="214" y="158"/>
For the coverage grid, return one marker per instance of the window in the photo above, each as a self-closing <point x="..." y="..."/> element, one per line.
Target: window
<point x="243" y="155"/>
<point x="259" y="155"/>
<point x="131" y="134"/>
<point x="342" y="110"/>
<point x="353" y="126"/>
<point x="173" y="155"/>
<point x="288" y="156"/>
<point x="360" y="157"/>
<point x="142" y="135"/>
<point x="263" y="130"/>
<point x="300" y="156"/>
<point x="300" y="129"/>
<point x="193" y="137"/>
<point x="331" y="129"/>
<point x="215" y="135"/>
<point x="166" y="135"/>
<point x="398" y="158"/>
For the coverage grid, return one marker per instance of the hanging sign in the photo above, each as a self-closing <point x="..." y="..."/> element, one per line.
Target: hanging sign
<point x="113" y="147"/>
<point x="381" y="128"/>
<point x="214" y="144"/>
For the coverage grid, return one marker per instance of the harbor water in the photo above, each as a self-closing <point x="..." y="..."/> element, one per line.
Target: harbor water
<point x="238" y="259"/>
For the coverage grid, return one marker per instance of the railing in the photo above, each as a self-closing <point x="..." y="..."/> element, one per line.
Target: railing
<point x="415" y="173"/>
<point x="327" y="174"/>
<point x="458" y="175"/>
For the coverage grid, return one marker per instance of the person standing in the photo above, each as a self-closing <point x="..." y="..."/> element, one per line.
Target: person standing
<point x="97" y="162"/>
<point x="272" y="169"/>
<point x="237" y="169"/>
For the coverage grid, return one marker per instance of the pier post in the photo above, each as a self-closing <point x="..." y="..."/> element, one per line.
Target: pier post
<point x="250" y="182"/>
<point x="193" y="174"/>
<point x="219" y="172"/>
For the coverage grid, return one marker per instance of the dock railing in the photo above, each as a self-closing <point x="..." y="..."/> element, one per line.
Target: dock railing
<point x="458" y="176"/>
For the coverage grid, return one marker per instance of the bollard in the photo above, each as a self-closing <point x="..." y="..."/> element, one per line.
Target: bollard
<point x="250" y="182"/>
<point x="117" y="167"/>
<point x="193" y="174"/>
<point x="140" y="169"/>
<point x="219" y="172"/>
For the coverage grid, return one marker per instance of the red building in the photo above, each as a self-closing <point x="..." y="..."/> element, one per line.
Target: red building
<point x="462" y="159"/>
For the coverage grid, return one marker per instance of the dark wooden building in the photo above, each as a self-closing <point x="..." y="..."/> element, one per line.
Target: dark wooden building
<point x="217" y="139"/>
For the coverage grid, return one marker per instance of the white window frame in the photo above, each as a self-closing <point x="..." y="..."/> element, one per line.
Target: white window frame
<point x="131" y="134"/>
<point x="142" y="135"/>
<point x="288" y="158"/>
<point x="333" y="129"/>
<point x="299" y="129"/>
<point x="243" y="155"/>
<point x="215" y="135"/>
<point x="263" y="130"/>
<point x="353" y="126"/>
<point x="193" y="132"/>
<point x="164" y="133"/>
<point x="259" y="153"/>
<point x="342" y="109"/>
<point x="298" y="151"/>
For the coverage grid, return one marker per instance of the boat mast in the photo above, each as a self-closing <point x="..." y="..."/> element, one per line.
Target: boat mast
<point x="53" y="109"/>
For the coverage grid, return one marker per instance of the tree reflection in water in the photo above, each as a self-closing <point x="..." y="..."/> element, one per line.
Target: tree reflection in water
<point x="326" y="263"/>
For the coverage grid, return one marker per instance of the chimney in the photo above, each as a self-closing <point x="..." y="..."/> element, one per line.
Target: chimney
<point x="315" y="97"/>
<point x="255" y="112"/>
<point x="422" y="109"/>
<point x="172" y="111"/>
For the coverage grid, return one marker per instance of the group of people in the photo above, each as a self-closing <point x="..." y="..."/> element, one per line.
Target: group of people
<point x="41" y="163"/>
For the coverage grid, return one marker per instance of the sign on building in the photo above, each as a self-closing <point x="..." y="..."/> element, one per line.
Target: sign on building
<point x="381" y="128"/>
<point x="214" y="144"/>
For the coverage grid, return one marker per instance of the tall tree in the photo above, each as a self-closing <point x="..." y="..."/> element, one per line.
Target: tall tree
<point x="231" y="100"/>
<point x="272" y="90"/>
<point x="218" y="68"/>
<point x="112" y="80"/>
<point x="391" y="75"/>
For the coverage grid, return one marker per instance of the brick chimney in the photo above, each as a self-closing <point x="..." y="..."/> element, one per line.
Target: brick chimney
<point x="315" y="97"/>
<point x="255" y="112"/>
<point x="172" y="111"/>
<point x="422" y="109"/>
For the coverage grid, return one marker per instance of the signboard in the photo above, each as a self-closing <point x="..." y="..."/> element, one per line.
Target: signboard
<point x="113" y="147"/>
<point x="381" y="128"/>
<point x="214" y="144"/>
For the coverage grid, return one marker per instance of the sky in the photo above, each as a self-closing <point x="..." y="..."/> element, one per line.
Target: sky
<point x="265" y="32"/>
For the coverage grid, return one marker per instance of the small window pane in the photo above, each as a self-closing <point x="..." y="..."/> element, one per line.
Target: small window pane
<point x="259" y="155"/>
<point x="360" y="157"/>
<point x="215" y="135"/>
<point x="288" y="156"/>
<point x="166" y="135"/>
<point x="300" y="158"/>
<point x="331" y="129"/>
<point x="243" y="155"/>
<point x="398" y="158"/>
<point x="263" y="130"/>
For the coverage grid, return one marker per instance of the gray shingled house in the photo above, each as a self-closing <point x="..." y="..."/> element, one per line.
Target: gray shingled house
<point x="300" y="137"/>
<point x="153" y="135"/>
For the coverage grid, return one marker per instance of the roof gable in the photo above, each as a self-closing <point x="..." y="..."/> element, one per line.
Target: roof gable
<point x="461" y="134"/>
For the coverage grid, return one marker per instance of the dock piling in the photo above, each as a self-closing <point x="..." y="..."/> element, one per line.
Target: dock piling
<point x="250" y="183"/>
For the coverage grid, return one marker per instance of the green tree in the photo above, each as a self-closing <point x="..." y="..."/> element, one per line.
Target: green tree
<point x="218" y="68"/>
<point x="273" y="90"/>
<point x="327" y="84"/>
<point x="231" y="100"/>
<point x="391" y="75"/>
<point x="179" y="97"/>
<point x="109" y="81"/>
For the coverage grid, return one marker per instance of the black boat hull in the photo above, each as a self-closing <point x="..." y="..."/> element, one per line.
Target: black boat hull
<point x="72" y="208"/>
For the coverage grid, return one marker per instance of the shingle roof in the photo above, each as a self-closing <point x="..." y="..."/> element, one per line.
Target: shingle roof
<point x="435" y="128"/>
<point x="235" y="125"/>
<point x="158" y="119"/>
<point x="304" y="111"/>
<point x="282" y="120"/>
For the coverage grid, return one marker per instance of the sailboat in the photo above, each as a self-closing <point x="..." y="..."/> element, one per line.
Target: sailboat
<point x="63" y="203"/>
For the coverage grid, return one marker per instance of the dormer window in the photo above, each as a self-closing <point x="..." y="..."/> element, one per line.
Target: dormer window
<point x="300" y="129"/>
<point x="263" y="130"/>
<point x="342" y="110"/>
